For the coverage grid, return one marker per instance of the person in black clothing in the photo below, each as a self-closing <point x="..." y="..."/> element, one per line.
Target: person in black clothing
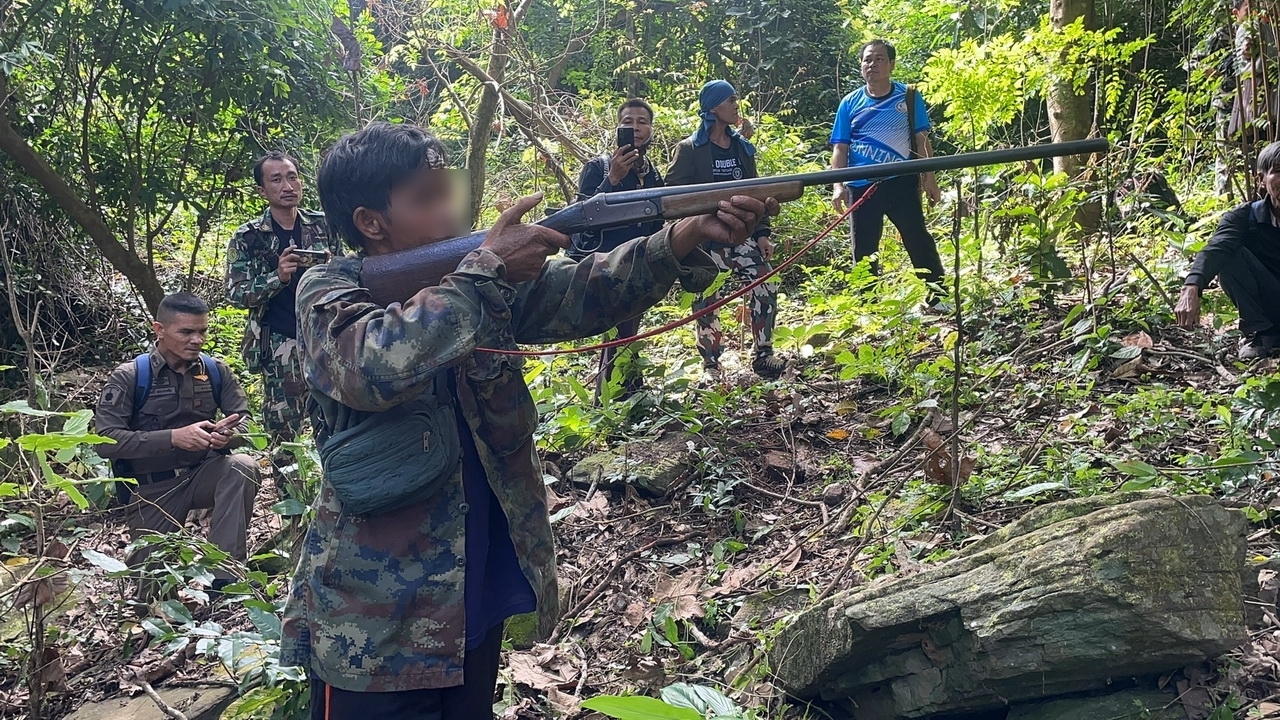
<point x="716" y="153"/>
<point x="1244" y="254"/>
<point x="628" y="168"/>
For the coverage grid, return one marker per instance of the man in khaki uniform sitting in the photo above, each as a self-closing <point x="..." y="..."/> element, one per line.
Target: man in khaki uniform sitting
<point x="161" y="409"/>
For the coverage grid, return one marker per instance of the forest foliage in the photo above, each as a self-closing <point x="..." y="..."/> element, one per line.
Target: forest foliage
<point x="127" y="129"/>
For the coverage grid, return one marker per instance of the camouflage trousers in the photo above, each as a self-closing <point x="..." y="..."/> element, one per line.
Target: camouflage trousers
<point x="747" y="264"/>
<point x="284" y="390"/>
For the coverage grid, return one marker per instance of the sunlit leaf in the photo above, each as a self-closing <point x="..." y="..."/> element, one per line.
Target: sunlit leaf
<point x="638" y="707"/>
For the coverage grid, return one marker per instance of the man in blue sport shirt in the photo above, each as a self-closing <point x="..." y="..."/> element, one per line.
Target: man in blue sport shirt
<point x="872" y="127"/>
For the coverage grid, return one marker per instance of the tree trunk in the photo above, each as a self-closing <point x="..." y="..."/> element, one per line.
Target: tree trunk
<point x="136" y="270"/>
<point x="1070" y="112"/>
<point x="483" y="119"/>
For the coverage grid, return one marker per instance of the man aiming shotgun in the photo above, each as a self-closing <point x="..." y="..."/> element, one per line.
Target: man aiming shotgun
<point x="431" y="526"/>
<point x="396" y="276"/>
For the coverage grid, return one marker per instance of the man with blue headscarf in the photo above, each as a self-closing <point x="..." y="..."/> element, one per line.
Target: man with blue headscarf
<point x="715" y="153"/>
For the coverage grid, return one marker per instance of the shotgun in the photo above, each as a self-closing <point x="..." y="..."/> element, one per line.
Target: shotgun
<point x="396" y="277"/>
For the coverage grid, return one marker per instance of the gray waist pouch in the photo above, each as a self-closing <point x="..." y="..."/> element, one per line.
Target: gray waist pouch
<point x="394" y="458"/>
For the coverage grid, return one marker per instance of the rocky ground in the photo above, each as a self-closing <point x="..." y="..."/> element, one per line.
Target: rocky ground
<point x="683" y="554"/>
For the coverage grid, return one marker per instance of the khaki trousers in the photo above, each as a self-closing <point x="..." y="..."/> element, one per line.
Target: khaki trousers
<point x="225" y="483"/>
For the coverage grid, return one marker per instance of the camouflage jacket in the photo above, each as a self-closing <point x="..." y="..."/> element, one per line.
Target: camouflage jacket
<point x="251" y="275"/>
<point x="376" y="603"/>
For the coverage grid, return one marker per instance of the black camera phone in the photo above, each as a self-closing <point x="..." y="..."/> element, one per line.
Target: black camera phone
<point x="626" y="136"/>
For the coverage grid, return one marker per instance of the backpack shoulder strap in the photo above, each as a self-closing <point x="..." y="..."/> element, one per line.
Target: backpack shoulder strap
<point x="911" y="121"/>
<point x="215" y="376"/>
<point x="141" y="380"/>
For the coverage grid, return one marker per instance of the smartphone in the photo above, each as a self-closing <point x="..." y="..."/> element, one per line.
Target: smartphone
<point x="311" y="257"/>
<point x="626" y="136"/>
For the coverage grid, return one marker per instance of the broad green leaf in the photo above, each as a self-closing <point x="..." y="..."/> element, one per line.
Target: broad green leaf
<point x="289" y="507"/>
<point x="1138" y="485"/>
<point x="176" y="611"/>
<point x="56" y="481"/>
<point x="105" y="562"/>
<point x="703" y="699"/>
<point x="39" y="442"/>
<point x="1137" y="468"/>
<point x="78" y="422"/>
<point x="1036" y="489"/>
<point x="901" y="422"/>
<point x="637" y="707"/>
<point x="267" y="623"/>
<point x="21" y="407"/>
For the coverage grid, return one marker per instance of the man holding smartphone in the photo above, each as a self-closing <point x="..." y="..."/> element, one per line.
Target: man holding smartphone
<point x="162" y="412"/>
<point x="265" y="260"/>
<point x="627" y="168"/>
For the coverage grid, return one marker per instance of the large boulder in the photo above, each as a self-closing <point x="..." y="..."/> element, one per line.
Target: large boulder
<point x="1072" y="595"/>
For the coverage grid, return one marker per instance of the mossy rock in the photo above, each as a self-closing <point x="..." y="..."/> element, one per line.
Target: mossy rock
<point x="651" y="466"/>
<point x="1068" y="599"/>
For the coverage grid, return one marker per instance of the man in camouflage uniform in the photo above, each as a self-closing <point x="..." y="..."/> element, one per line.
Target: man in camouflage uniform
<point x="172" y="442"/>
<point x="263" y="270"/>
<point x="400" y="614"/>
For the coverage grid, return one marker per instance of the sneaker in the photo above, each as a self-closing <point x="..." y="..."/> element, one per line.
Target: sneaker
<point x="1259" y="345"/>
<point x="768" y="365"/>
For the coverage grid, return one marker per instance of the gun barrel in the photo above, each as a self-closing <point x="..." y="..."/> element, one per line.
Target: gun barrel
<point x="397" y="276"/>
<point x="883" y="170"/>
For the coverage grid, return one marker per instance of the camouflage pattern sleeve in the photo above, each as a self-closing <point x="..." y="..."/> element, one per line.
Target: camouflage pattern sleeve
<point x="571" y="300"/>
<point x="372" y="358"/>
<point x="250" y="280"/>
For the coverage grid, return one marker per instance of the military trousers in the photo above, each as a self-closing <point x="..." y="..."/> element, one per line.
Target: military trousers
<point x="225" y="483"/>
<point x="284" y="389"/>
<point x="1253" y="289"/>
<point x="746" y="263"/>
<point x="473" y="700"/>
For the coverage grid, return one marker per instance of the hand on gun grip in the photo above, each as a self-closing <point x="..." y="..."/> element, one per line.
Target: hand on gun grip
<point x="523" y="248"/>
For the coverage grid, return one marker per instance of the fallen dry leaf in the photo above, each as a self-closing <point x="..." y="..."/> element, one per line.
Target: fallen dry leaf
<point x="844" y="407"/>
<point x="541" y="668"/>
<point x="1269" y="709"/>
<point x="732" y="581"/>
<point x="42" y="591"/>
<point x="1129" y="369"/>
<point x="57" y="550"/>
<point x="635" y="614"/>
<point x="646" y="671"/>
<point x="791" y="561"/>
<point x="563" y="703"/>
<point x="838" y="434"/>
<point x="1138" y="339"/>
<point x="52" y="675"/>
<point x="938" y="465"/>
<point x="686" y="602"/>
<point x="597" y="506"/>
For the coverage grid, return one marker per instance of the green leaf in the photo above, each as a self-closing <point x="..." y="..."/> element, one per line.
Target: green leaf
<point x="78" y="423"/>
<point x="268" y="623"/>
<point x="104" y="562"/>
<point x="637" y="707"/>
<point x="1137" y="468"/>
<point x="1035" y="489"/>
<point x="1138" y="485"/>
<point x="40" y="442"/>
<point x="289" y="507"/>
<point x="703" y="699"/>
<point x="56" y="481"/>
<point x="901" y="422"/>
<point x="176" y="611"/>
<point x="21" y="407"/>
